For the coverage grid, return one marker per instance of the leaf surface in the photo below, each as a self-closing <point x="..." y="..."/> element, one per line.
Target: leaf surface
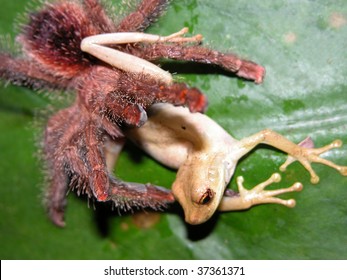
<point x="302" y="44"/>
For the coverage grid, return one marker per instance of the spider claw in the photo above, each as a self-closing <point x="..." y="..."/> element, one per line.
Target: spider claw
<point x="143" y="117"/>
<point x="57" y="217"/>
<point x="135" y="115"/>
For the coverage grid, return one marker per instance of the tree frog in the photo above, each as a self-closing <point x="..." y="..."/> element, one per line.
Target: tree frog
<point x="206" y="156"/>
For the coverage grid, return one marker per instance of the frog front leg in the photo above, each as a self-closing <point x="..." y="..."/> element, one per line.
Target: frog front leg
<point x="303" y="152"/>
<point x="245" y="199"/>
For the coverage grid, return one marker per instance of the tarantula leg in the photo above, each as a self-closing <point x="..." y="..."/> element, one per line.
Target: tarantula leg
<point x="146" y="13"/>
<point x="301" y="153"/>
<point x="179" y="94"/>
<point x="144" y="91"/>
<point x="258" y="195"/>
<point x="126" y="195"/>
<point x="97" y="15"/>
<point x="97" y="46"/>
<point x="22" y="72"/>
<point x="228" y="61"/>
<point x="105" y="188"/>
<point x="55" y="197"/>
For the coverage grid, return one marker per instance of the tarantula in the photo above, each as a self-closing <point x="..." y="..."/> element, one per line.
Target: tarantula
<point x="115" y="81"/>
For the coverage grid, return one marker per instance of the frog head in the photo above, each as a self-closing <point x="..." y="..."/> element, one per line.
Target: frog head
<point x="200" y="184"/>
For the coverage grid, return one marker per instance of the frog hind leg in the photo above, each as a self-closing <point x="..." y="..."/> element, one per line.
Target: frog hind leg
<point x="313" y="155"/>
<point x="304" y="152"/>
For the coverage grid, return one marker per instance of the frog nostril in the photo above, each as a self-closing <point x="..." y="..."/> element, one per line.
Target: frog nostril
<point x="206" y="197"/>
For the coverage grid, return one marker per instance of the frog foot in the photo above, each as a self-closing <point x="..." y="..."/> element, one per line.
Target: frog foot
<point x="307" y="154"/>
<point x="178" y="37"/>
<point x="258" y="195"/>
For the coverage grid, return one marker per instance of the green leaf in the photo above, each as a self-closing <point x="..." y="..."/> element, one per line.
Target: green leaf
<point x="302" y="44"/>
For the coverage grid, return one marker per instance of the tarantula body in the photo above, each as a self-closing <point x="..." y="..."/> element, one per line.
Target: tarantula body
<point x="111" y="94"/>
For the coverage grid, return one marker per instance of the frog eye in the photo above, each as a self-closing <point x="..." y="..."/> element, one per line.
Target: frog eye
<point x="206" y="197"/>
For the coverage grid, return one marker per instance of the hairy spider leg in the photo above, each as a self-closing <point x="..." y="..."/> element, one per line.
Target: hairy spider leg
<point x="304" y="155"/>
<point x="55" y="195"/>
<point x="97" y="14"/>
<point x="132" y="112"/>
<point x="122" y="97"/>
<point x="228" y="61"/>
<point x="257" y="195"/>
<point x="124" y="194"/>
<point x="147" y="12"/>
<point x="58" y="142"/>
<point x="97" y="46"/>
<point x="78" y="157"/>
<point x="23" y="72"/>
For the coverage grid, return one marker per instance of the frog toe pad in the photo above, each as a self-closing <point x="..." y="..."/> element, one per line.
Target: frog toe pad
<point x="307" y="154"/>
<point x="258" y="195"/>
